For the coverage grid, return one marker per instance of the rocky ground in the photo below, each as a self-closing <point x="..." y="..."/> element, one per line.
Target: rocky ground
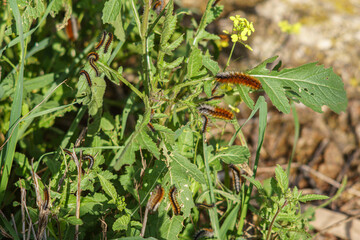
<point x="328" y="147"/>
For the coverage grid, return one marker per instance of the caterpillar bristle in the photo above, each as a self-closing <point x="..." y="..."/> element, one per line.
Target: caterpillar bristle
<point x="238" y="78"/>
<point x="236" y="177"/>
<point x="174" y="203"/>
<point x="108" y="42"/>
<point x="155" y="199"/>
<point x="204" y="232"/>
<point x="91" y="160"/>
<point x="216" y="112"/>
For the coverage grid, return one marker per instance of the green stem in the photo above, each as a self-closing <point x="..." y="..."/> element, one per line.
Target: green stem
<point x="231" y="53"/>
<point x="296" y="136"/>
<point x="121" y="78"/>
<point x="144" y="41"/>
<point x="212" y="212"/>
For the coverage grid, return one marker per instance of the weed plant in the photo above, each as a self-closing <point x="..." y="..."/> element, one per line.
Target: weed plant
<point x="113" y="144"/>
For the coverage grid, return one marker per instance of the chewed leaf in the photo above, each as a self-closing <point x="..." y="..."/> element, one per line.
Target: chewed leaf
<point x="311" y="84"/>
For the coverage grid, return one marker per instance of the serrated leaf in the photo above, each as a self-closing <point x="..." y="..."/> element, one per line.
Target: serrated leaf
<point x="186" y="197"/>
<point x="108" y="187"/>
<point x="175" y="44"/>
<point x="312" y="197"/>
<point x="195" y="63"/>
<point x="233" y="154"/>
<point x="282" y="178"/>
<point x="210" y="64"/>
<point x="173" y="64"/>
<point x="311" y="84"/>
<point x="146" y="142"/>
<point x="169" y="25"/>
<point x="171" y="228"/>
<point x="183" y="166"/>
<point x="256" y="183"/>
<point x="112" y="14"/>
<point x="122" y="223"/>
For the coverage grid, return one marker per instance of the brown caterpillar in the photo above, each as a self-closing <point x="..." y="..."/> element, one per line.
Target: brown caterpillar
<point x="174" y="203"/>
<point x="204" y="232"/>
<point x="238" y="78"/>
<point x="108" y="42"/>
<point x="215" y="97"/>
<point x="90" y="158"/>
<point x="151" y="127"/>
<point x="156" y="198"/>
<point x="93" y="57"/>
<point x="205" y="122"/>
<point x="236" y="177"/>
<point x="46" y="199"/>
<point x="87" y="76"/>
<point x="101" y="42"/>
<point x="215" y="112"/>
<point x="205" y="205"/>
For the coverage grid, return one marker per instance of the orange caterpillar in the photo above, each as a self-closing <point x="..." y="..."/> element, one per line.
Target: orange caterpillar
<point x="155" y="199"/>
<point x="215" y="112"/>
<point x="238" y="78"/>
<point x="174" y="203"/>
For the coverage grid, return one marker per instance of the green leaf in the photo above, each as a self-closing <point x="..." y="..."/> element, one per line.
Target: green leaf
<point x="171" y="228"/>
<point x="233" y="154"/>
<point x="311" y="84"/>
<point x="108" y="187"/>
<point x="175" y="44"/>
<point x="312" y="197"/>
<point x="169" y="25"/>
<point x="256" y="183"/>
<point x="98" y="91"/>
<point x="112" y="14"/>
<point x="230" y="221"/>
<point x="210" y="64"/>
<point x="181" y="166"/>
<point x="147" y="143"/>
<point x="122" y="223"/>
<point x="195" y="63"/>
<point x="73" y="220"/>
<point x="172" y="64"/>
<point x="282" y="178"/>
<point x="244" y="94"/>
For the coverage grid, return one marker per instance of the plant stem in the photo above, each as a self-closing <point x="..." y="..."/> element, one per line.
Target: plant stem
<point x="273" y="220"/>
<point x="231" y="53"/>
<point x="296" y="135"/>
<point x="144" y="41"/>
<point x="212" y="212"/>
<point x="121" y="78"/>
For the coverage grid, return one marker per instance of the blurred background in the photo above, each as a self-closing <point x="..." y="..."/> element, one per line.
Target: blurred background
<point x="323" y="31"/>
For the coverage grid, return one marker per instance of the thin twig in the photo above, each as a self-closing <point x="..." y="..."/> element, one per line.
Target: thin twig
<point x="144" y="222"/>
<point x="23" y="202"/>
<point x="14" y="223"/>
<point x="273" y="220"/>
